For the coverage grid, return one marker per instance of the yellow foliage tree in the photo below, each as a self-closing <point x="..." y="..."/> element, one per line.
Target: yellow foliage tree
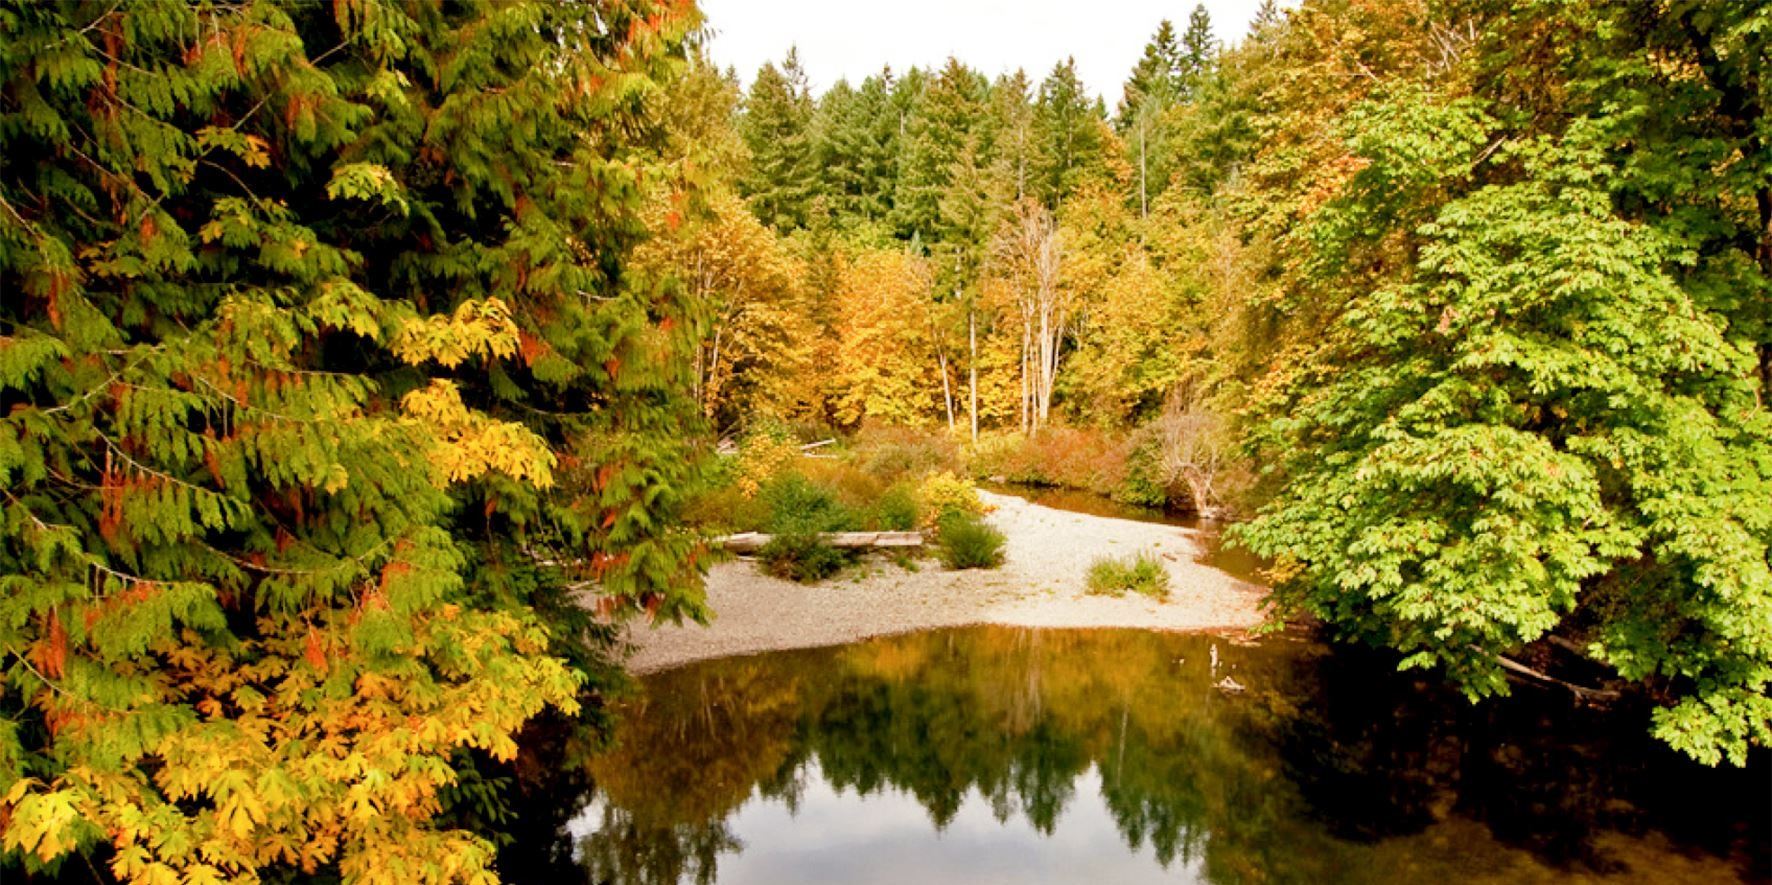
<point x="887" y="367"/>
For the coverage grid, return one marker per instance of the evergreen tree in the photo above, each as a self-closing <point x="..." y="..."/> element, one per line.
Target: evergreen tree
<point x="323" y="385"/>
<point x="777" y="128"/>
<point x="1015" y="142"/>
<point x="1198" y="50"/>
<point x="857" y="146"/>
<point x="940" y="124"/>
<point x="1068" y="133"/>
<point x="1155" y="79"/>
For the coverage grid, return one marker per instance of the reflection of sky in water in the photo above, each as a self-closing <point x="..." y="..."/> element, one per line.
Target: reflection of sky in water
<point x="994" y="754"/>
<point x="839" y="836"/>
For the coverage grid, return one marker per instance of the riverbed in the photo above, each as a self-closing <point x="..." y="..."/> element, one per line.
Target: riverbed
<point x="1040" y="584"/>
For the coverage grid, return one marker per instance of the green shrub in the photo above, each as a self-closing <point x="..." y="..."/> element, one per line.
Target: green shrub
<point x="799" y="506"/>
<point x="1141" y="573"/>
<point x="801" y="556"/>
<point x="966" y="541"/>
<point x="1146" y="482"/>
<point x="896" y="509"/>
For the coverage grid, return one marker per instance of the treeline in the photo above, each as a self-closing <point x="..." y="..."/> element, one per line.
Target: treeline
<point x="1473" y="299"/>
<point x="938" y="247"/>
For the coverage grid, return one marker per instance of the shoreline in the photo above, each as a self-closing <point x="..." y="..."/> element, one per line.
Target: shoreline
<point x="1040" y="584"/>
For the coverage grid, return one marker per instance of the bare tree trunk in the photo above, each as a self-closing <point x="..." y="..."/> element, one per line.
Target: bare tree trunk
<point x="707" y="405"/>
<point x="972" y="364"/>
<point x="947" y="395"/>
<point x="1143" y="188"/>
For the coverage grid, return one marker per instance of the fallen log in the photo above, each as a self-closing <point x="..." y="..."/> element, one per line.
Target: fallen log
<point x="751" y="542"/>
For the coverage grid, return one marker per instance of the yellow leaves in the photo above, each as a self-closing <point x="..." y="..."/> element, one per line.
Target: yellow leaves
<point x="41" y="824"/>
<point x="468" y="444"/>
<point x="482" y="328"/>
<point x="886" y="359"/>
<point x="241" y="813"/>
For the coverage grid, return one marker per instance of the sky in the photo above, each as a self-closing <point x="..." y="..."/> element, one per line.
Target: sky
<point x="854" y="38"/>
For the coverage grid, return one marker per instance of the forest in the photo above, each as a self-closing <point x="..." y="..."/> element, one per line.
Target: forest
<point x="367" y="366"/>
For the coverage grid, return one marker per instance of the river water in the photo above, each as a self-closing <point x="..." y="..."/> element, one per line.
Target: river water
<point x="996" y="754"/>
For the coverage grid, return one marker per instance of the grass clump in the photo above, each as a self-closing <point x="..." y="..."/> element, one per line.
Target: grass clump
<point x="1141" y="573"/>
<point x="966" y="541"/>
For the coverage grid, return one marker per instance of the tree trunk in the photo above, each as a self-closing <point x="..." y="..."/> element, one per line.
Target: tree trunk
<point x="947" y="395"/>
<point x="972" y="365"/>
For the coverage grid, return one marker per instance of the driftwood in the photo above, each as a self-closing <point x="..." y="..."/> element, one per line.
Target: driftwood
<point x="1581" y="692"/>
<point x="751" y="542"/>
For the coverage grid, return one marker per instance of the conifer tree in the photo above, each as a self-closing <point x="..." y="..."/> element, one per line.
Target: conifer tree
<point x="323" y="382"/>
<point x="1198" y="50"/>
<point x="777" y="128"/>
<point x="940" y="124"/>
<point x="1068" y="131"/>
<point x="1156" y="77"/>
<point x="857" y="146"/>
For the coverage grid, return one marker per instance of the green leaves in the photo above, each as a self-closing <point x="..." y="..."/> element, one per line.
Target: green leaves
<point x="310" y="308"/>
<point x="1533" y="414"/>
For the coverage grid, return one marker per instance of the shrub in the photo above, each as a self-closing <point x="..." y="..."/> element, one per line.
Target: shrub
<point x="902" y="452"/>
<point x="896" y="509"/>
<point x="801" y="556"/>
<point x="966" y="541"/>
<point x="1141" y="573"/>
<point x="725" y="509"/>
<point x="1065" y="457"/>
<point x="799" y="506"/>
<point x="944" y="493"/>
<point x="1147" y="479"/>
<point x="799" y="510"/>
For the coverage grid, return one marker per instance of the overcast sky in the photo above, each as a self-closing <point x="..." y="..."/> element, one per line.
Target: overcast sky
<point x="854" y="38"/>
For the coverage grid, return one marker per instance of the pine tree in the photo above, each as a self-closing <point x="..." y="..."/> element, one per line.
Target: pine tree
<point x="323" y="384"/>
<point x="777" y="128"/>
<point x="857" y="147"/>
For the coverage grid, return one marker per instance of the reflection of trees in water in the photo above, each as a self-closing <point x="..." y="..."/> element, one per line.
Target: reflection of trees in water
<point x="1330" y="767"/>
<point x="624" y="849"/>
<point x="1016" y="715"/>
<point x="1378" y="755"/>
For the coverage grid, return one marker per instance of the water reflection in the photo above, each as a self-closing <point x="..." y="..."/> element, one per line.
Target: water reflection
<point x="999" y="754"/>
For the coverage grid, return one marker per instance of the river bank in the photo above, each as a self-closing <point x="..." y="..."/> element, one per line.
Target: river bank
<point x="1041" y="584"/>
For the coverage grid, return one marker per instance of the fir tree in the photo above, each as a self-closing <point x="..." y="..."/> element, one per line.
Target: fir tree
<point x="1198" y="50"/>
<point x="941" y="122"/>
<point x="1068" y="130"/>
<point x="857" y="146"/>
<point x="1155" y="79"/>
<point x="777" y="128"/>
